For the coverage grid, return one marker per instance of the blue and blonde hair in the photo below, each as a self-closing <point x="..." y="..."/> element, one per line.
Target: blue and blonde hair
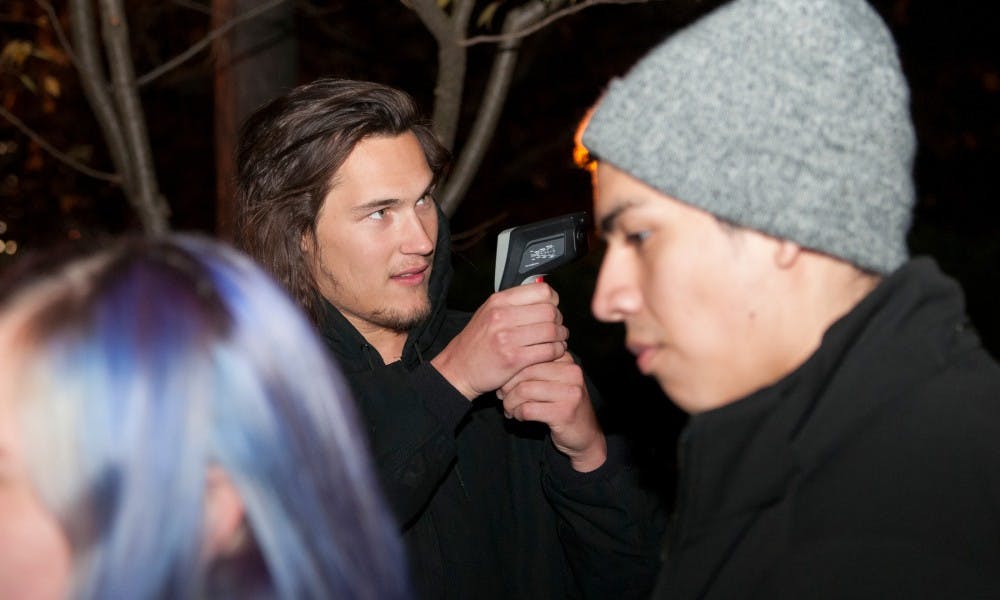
<point x="141" y="367"/>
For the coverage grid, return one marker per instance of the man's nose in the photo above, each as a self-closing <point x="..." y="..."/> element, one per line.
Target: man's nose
<point x="419" y="236"/>
<point x="617" y="294"/>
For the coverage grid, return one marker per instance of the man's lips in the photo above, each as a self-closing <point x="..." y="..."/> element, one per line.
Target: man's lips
<point x="411" y="276"/>
<point x="643" y="355"/>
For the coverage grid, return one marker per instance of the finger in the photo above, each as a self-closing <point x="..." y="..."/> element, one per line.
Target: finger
<point x="519" y="295"/>
<point x="550" y="403"/>
<point x="566" y="359"/>
<point x="536" y="333"/>
<point x="541" y="391"/>
<point x="507" y="317"/>
<point x="554" y="370"/>
<point x="540" y="353"/>
<point x="510" y="344"/>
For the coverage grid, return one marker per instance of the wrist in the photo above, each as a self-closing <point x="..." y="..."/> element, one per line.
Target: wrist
<point x="592" y="458"/>
<point x="443" y="365"/>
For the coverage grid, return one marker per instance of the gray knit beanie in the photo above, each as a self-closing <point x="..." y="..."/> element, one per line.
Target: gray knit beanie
<point x="790" y="117"/>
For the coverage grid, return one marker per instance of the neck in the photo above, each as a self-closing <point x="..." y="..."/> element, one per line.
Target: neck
<point x="388" y="342"/>
<point x="830" y="289"/>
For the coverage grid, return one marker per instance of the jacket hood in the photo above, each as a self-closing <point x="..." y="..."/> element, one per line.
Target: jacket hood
<point x="353" y="351"/>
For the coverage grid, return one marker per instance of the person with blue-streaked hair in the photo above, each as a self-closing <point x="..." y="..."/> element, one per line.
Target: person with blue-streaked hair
<point x="170" y="427"/>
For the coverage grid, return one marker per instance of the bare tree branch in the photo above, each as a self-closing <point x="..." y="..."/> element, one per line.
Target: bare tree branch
<point x="90" y="66"/>
<point x="57" y="27"/>
<point x="450" y="83"/>
<point x="149" y="204"/>
<point x="494" y="96"/>
<point x="195" y="6"/>
<point x="480" y="228"/>
<point x="204" y="42"/>
<point x="55" y="152"/>
<point x="569" y="10"/>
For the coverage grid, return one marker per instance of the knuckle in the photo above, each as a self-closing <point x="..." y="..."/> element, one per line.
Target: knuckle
<point x="508" y="358"/>
<point x="495" y="316"/>
<point x="553" y="313"/>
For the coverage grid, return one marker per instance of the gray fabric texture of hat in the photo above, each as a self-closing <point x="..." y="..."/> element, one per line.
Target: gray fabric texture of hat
<point x="790" y="117"/>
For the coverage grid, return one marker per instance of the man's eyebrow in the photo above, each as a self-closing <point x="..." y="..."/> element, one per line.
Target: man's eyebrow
<point x="373" y="205"/>
<point x="608" y="222"/>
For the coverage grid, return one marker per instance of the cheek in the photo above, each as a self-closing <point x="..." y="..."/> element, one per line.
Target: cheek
<point x="34" y="553"/>
<point x="670" y="286"/>
<point x="688" y="295"/>
<point x="430" y="221"/>
<point x="343" y="260"/>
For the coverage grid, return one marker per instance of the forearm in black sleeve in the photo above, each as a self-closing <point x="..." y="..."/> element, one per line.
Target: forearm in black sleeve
<point x="610" y="526"/>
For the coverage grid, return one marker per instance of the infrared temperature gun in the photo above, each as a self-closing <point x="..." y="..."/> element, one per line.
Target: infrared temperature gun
<point x="529" y="251"/>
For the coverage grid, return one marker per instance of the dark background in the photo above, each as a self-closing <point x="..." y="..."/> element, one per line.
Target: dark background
<point x="948" y="50"/>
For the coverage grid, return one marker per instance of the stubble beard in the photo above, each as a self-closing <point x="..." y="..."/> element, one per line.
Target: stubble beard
<point x="398" y="321"/>
<point x="387" y="317"/>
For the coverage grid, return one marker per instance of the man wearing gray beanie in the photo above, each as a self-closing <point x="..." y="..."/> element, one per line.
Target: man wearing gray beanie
<point x="753" y="182"/>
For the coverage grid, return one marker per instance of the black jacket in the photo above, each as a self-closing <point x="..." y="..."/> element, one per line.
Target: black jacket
<point x="872" y="471"/>
<point x="488" y="507"/>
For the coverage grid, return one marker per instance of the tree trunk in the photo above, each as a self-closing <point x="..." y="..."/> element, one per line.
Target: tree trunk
<point x="254" y="63"/>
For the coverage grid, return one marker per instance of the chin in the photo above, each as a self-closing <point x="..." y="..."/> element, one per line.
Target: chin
<point x="678" y="396"/>
<point x="402" y="321"/>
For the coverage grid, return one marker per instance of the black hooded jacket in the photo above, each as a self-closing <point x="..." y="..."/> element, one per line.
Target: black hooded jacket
<point x="872" y="471"/>
<point x="487" y="506"/>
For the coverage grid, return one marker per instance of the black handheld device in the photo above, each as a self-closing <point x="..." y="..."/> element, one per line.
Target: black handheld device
<point x="528" y="251"/>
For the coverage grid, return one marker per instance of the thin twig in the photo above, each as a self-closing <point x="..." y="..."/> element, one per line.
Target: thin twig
<point x="62" y="156"/>
<point x="479" y="229"/>
<point x="17" y="20"/>
<point x="57" y="26"/>
<point x="205" y="41"/>
<point x="193" y="6"/>
<point x="502" y="37"/>
<point x="321" y="13"/>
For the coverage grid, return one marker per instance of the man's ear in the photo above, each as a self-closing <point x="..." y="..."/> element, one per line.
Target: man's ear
<point x="307" y="243"/>
<point x="225" y="528"/>
<point x="786" y="254"/>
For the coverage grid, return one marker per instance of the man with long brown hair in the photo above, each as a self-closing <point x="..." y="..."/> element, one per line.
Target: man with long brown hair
<point x="336" y="183"/>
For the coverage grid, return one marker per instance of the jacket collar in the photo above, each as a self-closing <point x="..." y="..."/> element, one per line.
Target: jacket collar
<point x="742" y="456"/>
<point x="354" y="352"/>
